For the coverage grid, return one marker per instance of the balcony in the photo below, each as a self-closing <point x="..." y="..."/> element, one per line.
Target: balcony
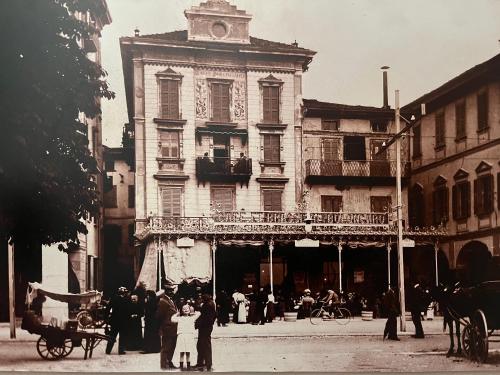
<point x="285" y="226"/>
<point x="223" y="170"/>
<point x="354" y="172"/>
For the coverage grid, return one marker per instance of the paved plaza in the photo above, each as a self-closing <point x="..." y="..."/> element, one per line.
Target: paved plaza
<point x="280" y="346"/>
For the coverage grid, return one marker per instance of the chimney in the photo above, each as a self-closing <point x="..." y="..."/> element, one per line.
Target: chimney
<point x="386" y="99"/>
<point x="136" y="32"/>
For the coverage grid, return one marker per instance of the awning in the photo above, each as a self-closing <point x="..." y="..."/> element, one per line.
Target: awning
<point x="81" y="298"/>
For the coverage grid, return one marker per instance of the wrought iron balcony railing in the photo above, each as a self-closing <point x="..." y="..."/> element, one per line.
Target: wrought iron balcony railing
<point x="223" y="169"/>
<point x="354" y="168"/>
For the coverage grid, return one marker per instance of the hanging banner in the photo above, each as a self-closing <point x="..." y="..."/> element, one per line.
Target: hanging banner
<point x="149" y="270"/>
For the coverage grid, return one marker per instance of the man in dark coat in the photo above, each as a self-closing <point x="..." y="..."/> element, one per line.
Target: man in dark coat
<point x="118" y="312"/>
<point x="204" y="324"/>
<point x="168" y="329"/>
<point x="392" y="309"/>
<point x="419" y="301"/>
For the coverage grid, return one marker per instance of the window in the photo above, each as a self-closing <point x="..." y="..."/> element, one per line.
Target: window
<point x="331" y="203"/>
<point x="440" y="204"/>
<point x="131" y="196"/>
<point x="223" y="199"/>
<point x="482" y="111"/>
<point x="440" y="131"/>
<point x="110" y="200"/>
<point x="271" y="200"/>
<point x="169" y="144"/>
<point x="169" y="99"/>
<point x="220" y="102"/>
<point x="379" y="126"/>
<point x="380" y="204"/>
<point x="354" y="148"/>
<point x="483" y="195"/>
<point x="272" y="148"/>
<point x="109" y="165"/>
<point x="460" y="120"/>
<point x="330" y="149"/>
<point x="331" y="125"/>
<point x="460" y="197"/>
<point x="171" y="201"/>
<point x="271" y="103"/>
<point x="417" y="141"/>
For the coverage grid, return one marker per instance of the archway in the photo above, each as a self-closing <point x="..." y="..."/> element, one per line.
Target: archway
<point x="473" y="263"/>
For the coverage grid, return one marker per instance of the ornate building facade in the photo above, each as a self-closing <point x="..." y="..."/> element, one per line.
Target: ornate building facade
<point x="455" y="169"/>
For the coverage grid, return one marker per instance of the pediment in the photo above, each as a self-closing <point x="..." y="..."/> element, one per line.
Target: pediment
<point x="440" y="180"/>
<point x="271" y="79"/>
<point x="483" y="167"/>
<point x="461" y="174"/>
<point x="169" y="72"/>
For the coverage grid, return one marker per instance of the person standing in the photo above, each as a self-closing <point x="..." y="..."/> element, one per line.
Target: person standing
<point x="136" y="311"/>
<point x="185" y="334"/>
<point x="168" y="329"/>
<point x="118" y="311"/>
<point x="241" y="312"/>
<point x="418" y="304"/>
<point x="270" y="311"/>
<point x="261" y="306"/>
<point x="392" y="309"/>
<point x="223" y="306"/>
<point x="205" y="324"/>
<point x="152" y="340"/>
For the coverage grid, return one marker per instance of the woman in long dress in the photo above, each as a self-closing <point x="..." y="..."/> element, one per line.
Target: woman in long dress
<point x="240" y="300"/>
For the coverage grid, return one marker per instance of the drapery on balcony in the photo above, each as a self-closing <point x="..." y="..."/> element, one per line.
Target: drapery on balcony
<point x="223" y="169"/>
<point x="357" y="171"/>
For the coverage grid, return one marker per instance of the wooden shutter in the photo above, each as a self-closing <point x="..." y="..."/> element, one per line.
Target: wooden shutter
<point x="330" y="149"/>
<point x="220" y="102"/>
<point x="169" y="99"/>
<point x="223" y="199"/>
<point x="476" y="197"/>
<point x="270" y="103"/>
<point x="454" y="201"/>
<point x="171" y="201"/>
<point x="440" y="132"/>
<point x="467" y="192"/>
<point x="460" y="119"/>
<point x="417" y="141"/>
<point x="326" y="203"/>
<point x="131" y="196"/>
<point x="169" y="144"/>
<point x="272" y="200"/>
<point x="488" y="194"/>
<point x="271" y="148"/>
<point x="482" y="111"/>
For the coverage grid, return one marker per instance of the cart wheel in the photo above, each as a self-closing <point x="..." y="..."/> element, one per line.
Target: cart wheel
<point x="60" y="349"/>
<point x="42" y="347"/>
<point x="316" y="316"/>
<point x="468" y="341"/>
<point x="84" y="319"/>
<point x="481" y="333"/>
<point x="342" y="316"/>
<point x="68" y="347"/>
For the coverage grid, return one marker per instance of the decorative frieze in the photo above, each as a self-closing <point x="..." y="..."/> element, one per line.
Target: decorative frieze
<point x="201" y="99"/>
<point x="239" y="100"/>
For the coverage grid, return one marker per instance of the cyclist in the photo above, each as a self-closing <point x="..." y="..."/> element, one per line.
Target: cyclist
<point x="331" y="301"/>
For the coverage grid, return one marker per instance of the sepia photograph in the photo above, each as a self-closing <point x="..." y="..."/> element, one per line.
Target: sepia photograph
<point x="249" y="186"/>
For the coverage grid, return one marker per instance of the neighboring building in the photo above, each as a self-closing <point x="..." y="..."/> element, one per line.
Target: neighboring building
<point x="455" y="169"/>
<point x="121" y="262"/>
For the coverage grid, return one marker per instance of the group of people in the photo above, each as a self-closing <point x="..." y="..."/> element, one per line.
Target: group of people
<point x="259" y="307"/>
<point x="167" y="326"/>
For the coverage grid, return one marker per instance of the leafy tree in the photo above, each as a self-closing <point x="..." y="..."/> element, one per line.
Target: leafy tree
<point x="46" y="82"/>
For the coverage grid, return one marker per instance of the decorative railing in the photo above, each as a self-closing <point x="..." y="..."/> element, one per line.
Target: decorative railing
<point x="223" y="166"/>
<point x="355" y="168"/>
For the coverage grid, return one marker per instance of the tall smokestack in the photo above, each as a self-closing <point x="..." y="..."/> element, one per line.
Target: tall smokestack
<point x="386" y="98"/>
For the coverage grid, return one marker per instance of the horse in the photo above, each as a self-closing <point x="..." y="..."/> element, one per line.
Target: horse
<point x="455" y="304"/>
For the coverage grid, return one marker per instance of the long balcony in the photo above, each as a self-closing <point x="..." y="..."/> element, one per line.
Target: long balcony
<point x="223" y="170"/>
<point x="258" y="226"/>
<point x="354" y="172"/>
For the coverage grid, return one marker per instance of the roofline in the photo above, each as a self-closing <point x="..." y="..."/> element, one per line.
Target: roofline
<point x="471" y="77"/>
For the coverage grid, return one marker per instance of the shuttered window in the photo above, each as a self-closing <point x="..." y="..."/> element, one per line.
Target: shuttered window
<point x="330" y="149"/>
<point x="171" y="201"/>
<point x="131" y="196"/>
<point x="417" y="141"/>
<point x="331" y="203"/>
<point x="440" y="129"/>
<point x="271" y="148"/>
<point x="482" y="111"/>
<point x="483" y="195"/>
<point x="380" y="204"/>
<point x="271" y="103"/>
<point x="460" y="119"/>
<point x="169" y="99"/>
<point x="169" y="144"/>
<point x="220" y="102"/>
<point x="223" y="199"/>
<point x="461" y="200"/>
<point x="272" y="200"/>
<point x="417" y="206"/>
<point x="440" y="204"/>
<point x="330" y="125"/>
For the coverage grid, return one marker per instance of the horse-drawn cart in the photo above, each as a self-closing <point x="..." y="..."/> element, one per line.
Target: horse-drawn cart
<point x="58" y="342"/>
<point x="480" y="328"/>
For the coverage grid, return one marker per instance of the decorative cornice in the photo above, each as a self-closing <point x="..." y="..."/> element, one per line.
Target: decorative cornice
<point x="269" y="126"/>
<point x="283" y="180"/>
<point x="170" y="176"/>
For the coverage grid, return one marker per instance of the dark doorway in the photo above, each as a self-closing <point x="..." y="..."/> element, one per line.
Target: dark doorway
<point x="354" y="148"/>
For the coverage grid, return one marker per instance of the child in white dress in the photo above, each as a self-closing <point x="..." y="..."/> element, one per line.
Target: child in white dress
<point x="185" y="334"/>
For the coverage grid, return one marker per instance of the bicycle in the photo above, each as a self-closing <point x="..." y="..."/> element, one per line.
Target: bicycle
<point x="341" y="315"/>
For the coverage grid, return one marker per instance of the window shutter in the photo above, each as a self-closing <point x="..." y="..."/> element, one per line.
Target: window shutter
<point x="222" y="199"/>
<point x="330" y="149"/>
<point x="271" y="148"/>
<point x="272" y="200"/>
<point x="476" y="196"/>
<point x="171" y="201"/>
<point x="467" y="190"/>
<point x="131" y="196"/>
<point x="482" y="111"/>
<point x="169" y="99"/>
<point x="275" y="104"/>
<point x="488" y="194"/>
<point x="266" y="103"/>
<point x="446" y="206"/>
<point x="455" y="201"/>
<point x="220" y="101"/>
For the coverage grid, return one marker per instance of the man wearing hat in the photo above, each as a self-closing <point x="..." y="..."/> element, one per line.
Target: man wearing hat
<point x="168" y="329"/>
<point x="117" y="310"/>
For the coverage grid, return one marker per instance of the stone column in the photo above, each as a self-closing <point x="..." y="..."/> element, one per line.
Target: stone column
<point x="339" y="246"/>
<point x="388" y="265"/>
<point x="436" y="250"/>
<point x="214" y="249"/>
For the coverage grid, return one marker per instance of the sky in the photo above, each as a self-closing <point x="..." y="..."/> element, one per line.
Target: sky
<point x="425" y="43"/>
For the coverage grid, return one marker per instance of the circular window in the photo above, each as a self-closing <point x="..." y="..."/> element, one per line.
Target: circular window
<point x="219" y="30"/>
